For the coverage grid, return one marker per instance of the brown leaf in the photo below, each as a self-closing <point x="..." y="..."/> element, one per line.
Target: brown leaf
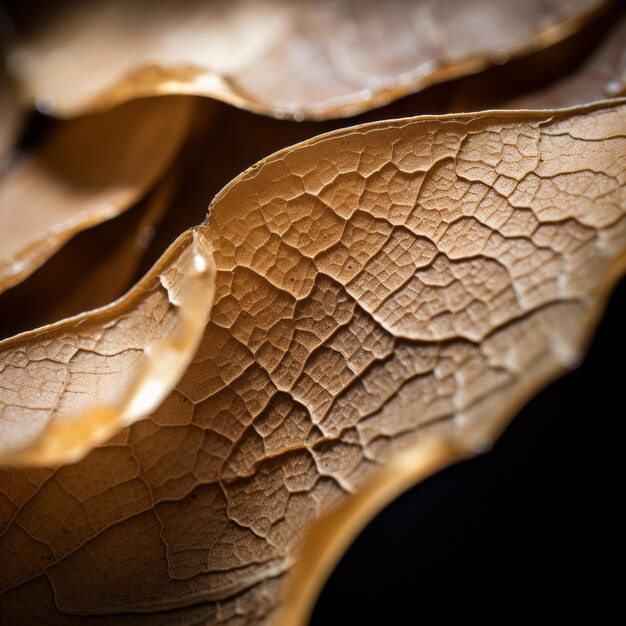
<point x="108" y="256"/>
<point x="71" y="385"/>
<point x="584" y="66"/>
<point x="85" y="172"/>
<point x="251" y="54"/>
<point x="387" y="297"/>
<point x="587" y="67"/>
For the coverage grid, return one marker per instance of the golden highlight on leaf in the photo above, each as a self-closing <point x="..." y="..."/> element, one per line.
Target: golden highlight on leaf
<point x="85" y="172"/>
<point x="251" y="54"/>
<point x="387" y="297"/>
<point x="67" y="387"/>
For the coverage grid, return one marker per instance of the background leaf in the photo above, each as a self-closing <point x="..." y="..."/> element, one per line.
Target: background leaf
<point x="252" y="54"/>
<point x="84" y="172"/>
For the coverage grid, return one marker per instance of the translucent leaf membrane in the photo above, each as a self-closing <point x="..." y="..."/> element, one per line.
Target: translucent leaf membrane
<point x="387" y="296"/>
<point x="251" y="54"/>
<point x="84" y="172"/>
<point x="67" y="387"/>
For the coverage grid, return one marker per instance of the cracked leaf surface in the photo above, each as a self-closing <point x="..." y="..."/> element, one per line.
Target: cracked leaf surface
<point x="251" y="54"/>
<point x="376" y="288"/>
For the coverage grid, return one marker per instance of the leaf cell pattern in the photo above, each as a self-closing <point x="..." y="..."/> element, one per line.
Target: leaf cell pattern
<point x="375" y="287"/>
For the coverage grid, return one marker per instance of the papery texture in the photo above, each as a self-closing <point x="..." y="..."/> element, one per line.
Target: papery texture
<point x="393" y="289"/>
<point x="251" y="54"/>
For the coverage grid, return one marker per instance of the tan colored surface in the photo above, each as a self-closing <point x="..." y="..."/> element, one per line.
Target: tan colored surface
<point x="86" y="171"/>
<point x="253" y="54"/>
<point x="67" y="387"/>
<point x="392" y="290"/>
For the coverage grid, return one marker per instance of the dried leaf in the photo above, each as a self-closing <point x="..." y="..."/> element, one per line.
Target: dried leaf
<point x="583" y="68"/>
<point x="71" y="385"/>
<point x="251" y="54"/>
<point x="108" y="255"/>
<point x="85" y="172"/>
<point x="387" y="297"/>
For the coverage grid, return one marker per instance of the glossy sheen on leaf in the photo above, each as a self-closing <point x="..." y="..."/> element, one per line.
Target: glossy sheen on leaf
<point x="379" y="289"/>
<point x="251" y="54"/>
<point x="67" y="387"/>
<point x="85" y="172"/>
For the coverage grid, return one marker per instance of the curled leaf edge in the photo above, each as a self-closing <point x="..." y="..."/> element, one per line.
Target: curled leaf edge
<point x="167" y="359"/>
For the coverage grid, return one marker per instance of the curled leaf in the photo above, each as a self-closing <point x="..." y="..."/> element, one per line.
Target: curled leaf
<point x="66" y="387"/>
<point x="85" y="172"/>
<point x="108" y="255"/>
<point x="251" y="54"/>
<point x="386" y="298"/>
<point x="586" y="67"/>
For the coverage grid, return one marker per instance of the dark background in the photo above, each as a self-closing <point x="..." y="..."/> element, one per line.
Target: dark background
<point x="534" y="532"/>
